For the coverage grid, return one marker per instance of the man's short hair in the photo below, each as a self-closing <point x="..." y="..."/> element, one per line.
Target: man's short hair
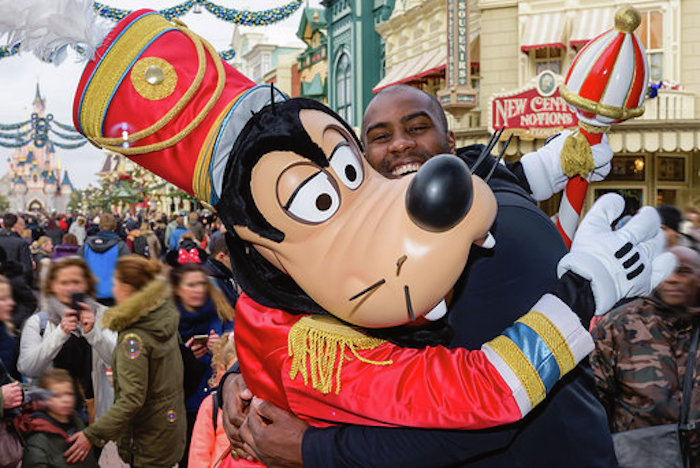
<point x="9" y="220"/>
<point x="219" y="246"/>
<point x="433" y="104"/>
<point x="107" y="222"/>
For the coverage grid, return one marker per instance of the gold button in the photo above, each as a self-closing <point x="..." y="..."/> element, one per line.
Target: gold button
<point x="154" y="75"/>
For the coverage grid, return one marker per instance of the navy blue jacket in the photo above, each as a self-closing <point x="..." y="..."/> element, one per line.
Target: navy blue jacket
<point x="568" y="429"/>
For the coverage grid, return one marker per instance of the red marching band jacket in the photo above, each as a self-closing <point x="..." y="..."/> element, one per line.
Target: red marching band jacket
<point x="327" y="372"/>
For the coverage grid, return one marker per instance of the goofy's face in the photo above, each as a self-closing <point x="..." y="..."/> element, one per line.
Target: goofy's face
<point x="371" y="251"/>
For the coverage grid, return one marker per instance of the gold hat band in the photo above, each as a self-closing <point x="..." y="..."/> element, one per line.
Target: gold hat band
<point x="586" y="105"/>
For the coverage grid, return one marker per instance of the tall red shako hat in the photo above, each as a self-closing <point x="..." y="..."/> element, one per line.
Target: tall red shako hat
<point x="159" y="94"/>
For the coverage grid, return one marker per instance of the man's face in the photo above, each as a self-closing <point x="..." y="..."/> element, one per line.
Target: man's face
<point x="681" y="288"/>
<point x="401" y="130"/>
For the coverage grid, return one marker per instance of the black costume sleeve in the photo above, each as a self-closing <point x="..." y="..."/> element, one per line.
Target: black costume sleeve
<point x="365" y="446"/>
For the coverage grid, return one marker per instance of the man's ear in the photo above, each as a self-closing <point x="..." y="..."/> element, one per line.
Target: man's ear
<point x="451" y="142"/>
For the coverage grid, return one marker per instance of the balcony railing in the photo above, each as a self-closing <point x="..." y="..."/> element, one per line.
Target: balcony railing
<point x="670" y="105"/>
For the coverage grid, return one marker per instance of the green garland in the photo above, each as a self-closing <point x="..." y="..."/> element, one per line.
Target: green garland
<point x="8" y="50"/>
<point x="39" y="129"/>
<point x="230" y="15"/>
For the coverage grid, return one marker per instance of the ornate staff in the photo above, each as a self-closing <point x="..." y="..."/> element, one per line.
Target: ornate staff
<point x="605" y="85"/>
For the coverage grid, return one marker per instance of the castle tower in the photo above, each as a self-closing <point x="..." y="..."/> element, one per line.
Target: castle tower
<point x="35" y="172"/>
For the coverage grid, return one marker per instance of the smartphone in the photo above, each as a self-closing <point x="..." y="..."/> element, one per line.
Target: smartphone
<point x="75" y="299"/>
<point x="200" y="340"/>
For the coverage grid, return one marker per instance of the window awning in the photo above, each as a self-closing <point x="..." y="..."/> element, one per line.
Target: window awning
<point x="545" y="30"/>
<point x="420" y="66"/>
<point x="589" y="23"/>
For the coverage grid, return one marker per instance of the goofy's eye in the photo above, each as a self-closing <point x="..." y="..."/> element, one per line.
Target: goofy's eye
<point x="347" y="165"/>
<point x="315" y="200"/>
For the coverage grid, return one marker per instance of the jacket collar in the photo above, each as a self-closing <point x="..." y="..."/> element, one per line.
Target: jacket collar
<point x="138" y="305"/>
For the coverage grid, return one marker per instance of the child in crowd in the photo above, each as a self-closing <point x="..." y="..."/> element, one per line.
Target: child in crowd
<point x="46" y="430"/>
<point x="209" y="447"/>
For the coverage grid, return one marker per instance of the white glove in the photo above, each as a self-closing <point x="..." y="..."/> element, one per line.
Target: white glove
<point x="543" y="167"/>
<point x="625" y="263"/>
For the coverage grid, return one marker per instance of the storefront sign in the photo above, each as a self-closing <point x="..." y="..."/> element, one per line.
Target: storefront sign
<point x="535" y="111"/>
<point x="457" y="43"/>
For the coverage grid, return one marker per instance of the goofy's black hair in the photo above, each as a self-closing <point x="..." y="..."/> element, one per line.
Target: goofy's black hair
<point x="277" y="127"/>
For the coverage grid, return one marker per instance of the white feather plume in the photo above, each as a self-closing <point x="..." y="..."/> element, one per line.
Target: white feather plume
<point x="48" y="27"/>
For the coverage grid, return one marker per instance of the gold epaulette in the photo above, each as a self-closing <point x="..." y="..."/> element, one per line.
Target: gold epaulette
<point x="321" y="341"/>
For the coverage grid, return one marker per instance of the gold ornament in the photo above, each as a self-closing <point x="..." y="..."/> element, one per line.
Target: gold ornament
<point x="627" y="19"/>
<point x="154" y="75"/>
<point x="154" y="78"/>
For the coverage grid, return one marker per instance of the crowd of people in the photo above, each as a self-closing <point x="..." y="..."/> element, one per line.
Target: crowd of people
<point x="73" y="290"/>
<point x="119" y="328"/>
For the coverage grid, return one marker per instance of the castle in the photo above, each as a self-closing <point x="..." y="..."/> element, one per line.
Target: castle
<point x="35" y="179"/>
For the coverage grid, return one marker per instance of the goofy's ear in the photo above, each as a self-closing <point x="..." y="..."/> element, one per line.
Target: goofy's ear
<point x="265" y="283"/>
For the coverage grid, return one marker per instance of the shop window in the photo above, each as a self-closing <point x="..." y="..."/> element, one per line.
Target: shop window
<point x="650" y="33"/>
<point x="671" y="169"/>
<point x="343" y="81"/>
<point x="634" y="198"/>
<point x="547" y="58"/>
<point x="628" y="168"/>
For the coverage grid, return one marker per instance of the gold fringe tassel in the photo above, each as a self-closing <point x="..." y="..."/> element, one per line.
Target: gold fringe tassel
<point x="322" y="342"/>
<point x="576" y="156"/>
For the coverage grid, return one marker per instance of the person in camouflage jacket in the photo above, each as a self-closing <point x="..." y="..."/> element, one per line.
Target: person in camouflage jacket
<point x="640" y="355"/>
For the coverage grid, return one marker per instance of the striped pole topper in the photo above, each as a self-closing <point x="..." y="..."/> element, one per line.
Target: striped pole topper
<point x="606" y="84"/>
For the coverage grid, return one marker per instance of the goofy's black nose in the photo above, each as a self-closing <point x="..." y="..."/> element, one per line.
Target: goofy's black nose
<point x="441" y="193"/>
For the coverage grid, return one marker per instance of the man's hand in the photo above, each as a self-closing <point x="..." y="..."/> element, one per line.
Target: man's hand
<point x="274" y="434"/>
<point x="11" y="395"/>
<point x="543" y="167"/>
<point x="625" y="263"/>
<point x="236" y="399"/>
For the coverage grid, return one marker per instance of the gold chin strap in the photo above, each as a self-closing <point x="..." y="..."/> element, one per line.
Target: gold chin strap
<point x="321" y="341"/>
<point x="109" y="143"/>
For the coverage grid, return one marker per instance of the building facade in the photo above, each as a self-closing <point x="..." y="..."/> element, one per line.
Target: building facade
<point x="355" y="53"/>
<point x="517" y="46"/>
<point x="312" y="63"/>
<point x="264" y="59"/>
<point x="36" y="182"/>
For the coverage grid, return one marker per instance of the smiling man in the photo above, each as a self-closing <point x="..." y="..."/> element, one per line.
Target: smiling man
<point x="403" y="128"/>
